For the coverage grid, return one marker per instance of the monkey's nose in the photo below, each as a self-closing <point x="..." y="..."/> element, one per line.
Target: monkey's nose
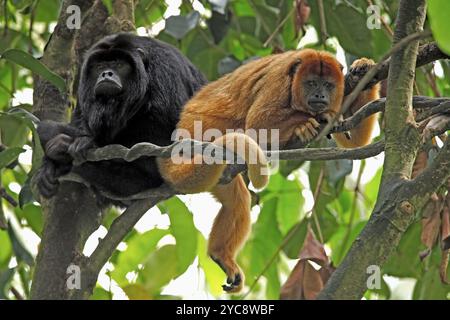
<point x="107" y="74"/>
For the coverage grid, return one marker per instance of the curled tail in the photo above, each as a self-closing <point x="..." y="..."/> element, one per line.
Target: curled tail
<point x="197" y="176"/>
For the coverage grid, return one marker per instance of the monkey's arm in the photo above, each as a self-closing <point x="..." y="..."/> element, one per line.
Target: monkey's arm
<point x="292" y="124"/>
<point x="361" y="135"/>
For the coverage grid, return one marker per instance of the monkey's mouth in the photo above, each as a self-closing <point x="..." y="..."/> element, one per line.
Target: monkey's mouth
<point x="107" y="87"/>
<point x="317" y="106"/>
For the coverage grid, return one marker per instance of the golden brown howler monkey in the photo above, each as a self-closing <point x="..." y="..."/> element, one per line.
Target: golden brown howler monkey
<point x="291" y="92"/>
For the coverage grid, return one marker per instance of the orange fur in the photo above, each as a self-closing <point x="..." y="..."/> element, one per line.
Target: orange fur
<point x="263" y="94"/>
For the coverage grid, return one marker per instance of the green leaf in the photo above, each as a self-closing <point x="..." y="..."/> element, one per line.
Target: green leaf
<point x="179" y="26"/>
<point x="31" y="121"/>
<point x="183" y="229"/>
<point x="139" y="248"/>
<point x="29" y="62"/>
<point x="347" y="23"/>
<point x="297" y="236"/>
<point x="440" y="23"/>
<point x="289" y="200"/>
<point x="100" y="294"/>
<point x="6" y="249"/>
<point x="26" y="194"/>
<point x="9" y="155"/>
<point x="405" y="261"/>
<point x="13" y="129"/>
<point x="264" y="244"/>
<point x="160" y="269"/>
<point x="430" y="287"/>
<point x="218" y="24"/>
<point x="22" y="253"/>
<point x="33" y="215"/>
<point x="137" y="292"/>
<point x="215" y="277"/>
<point x="6" y="276"/>
<point x="338" y="248"/>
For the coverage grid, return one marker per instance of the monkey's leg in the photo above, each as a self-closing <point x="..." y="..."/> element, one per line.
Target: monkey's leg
<point x="230" y="230"/>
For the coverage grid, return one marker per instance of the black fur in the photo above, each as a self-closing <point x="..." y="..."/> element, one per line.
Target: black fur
<point x="161" y="82"/>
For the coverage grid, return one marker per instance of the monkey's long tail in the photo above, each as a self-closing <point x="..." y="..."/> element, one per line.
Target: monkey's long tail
<point x="197" y="176"/>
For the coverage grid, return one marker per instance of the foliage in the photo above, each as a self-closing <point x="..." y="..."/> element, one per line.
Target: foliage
<point x="218" y="38"/>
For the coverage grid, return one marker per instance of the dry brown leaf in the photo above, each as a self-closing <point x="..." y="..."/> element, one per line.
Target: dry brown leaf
<point x="293" y="288"/>
<point x="312" y="282"/>
<point x="420" y="164"/>
<point x="302" y="12"/>
<point x="305" y="282"/>
<point x="445" y="228"/>
<point x="431" y="224"/>
<point x="313" y="250"/>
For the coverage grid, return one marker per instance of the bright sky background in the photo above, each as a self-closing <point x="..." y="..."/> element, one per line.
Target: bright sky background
<point x="204" y="208"/>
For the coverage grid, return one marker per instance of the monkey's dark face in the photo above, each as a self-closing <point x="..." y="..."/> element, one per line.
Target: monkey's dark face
<point x="111" y="76"/>
<point x="318" y="92"/>
<point x="114" y="86"/>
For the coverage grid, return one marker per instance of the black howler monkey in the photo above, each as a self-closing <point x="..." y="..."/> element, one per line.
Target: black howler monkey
<point x="131" y="90"/>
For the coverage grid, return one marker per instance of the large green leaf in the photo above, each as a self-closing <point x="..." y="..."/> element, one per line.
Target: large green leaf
<point x="22" y="253"/>
<point x="265" y="241"/>
<point x="6" y="249"/>
<point x="346" y="22"/>
<point x="9" y="155"/>
<point x="215" y="277"/>
<point x="139" y="248"/>
<point x="183" y="229"/>
<point x="27" y="61"/>
<point x="440" y="23"/>
<point x="179" y="26"/>
<point x="160" y="268"/>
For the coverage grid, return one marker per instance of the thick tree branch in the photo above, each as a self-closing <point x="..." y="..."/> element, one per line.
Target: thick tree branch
<point x="394" y="210"/>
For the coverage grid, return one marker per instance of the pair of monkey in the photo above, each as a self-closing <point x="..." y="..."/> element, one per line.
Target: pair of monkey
<point x="128" y="81"/>
<point x="291" y="92"/>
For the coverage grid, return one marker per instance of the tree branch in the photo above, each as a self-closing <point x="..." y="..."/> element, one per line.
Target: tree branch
<point x="394" y="209"/>
<point x="428" y="53"/>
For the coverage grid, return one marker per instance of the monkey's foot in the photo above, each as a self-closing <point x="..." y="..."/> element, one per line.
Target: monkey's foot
<point x="47" y="181"/>
<point x="308" y="130"/>
<point x="235" y="277"/>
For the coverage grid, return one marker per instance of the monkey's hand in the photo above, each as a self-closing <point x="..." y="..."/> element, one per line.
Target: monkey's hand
<point x="57" y="148"/>
<point x="306" y="131"/>
<point x="80" y="146"/>
<point x="327" y="116"/>
<point x="358" y="69"/>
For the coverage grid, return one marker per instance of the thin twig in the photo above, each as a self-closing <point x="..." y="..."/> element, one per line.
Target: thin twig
<point x="323" y="23"/>
<point x="281" y="24"/>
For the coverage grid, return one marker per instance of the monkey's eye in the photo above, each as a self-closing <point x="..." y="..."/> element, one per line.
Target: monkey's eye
<point x="329" y="85"/>
<point x="311" y="83"/>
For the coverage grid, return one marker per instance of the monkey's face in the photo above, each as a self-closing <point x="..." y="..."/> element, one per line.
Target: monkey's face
<point x="317" y="93"/>
<point x="114" y="85"/>
<point x="111" y="77"/>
